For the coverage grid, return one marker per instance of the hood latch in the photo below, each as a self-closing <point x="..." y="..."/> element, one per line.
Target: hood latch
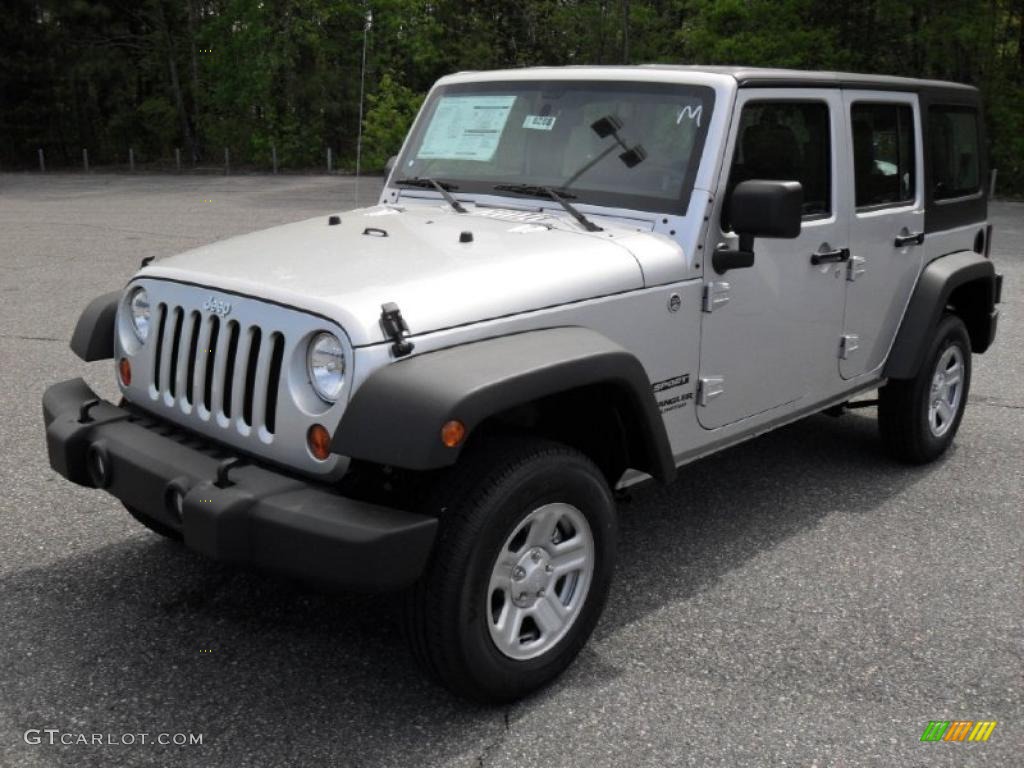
<point x="395" y="328"/>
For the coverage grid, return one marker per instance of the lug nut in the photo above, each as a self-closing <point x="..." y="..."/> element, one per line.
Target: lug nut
<point x="535" y="555"/>
<point x="540" y="593"/>
<point x="549" y="568"/>
<point x="518" y="573"/>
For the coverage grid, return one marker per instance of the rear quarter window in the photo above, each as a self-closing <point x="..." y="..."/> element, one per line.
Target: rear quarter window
<point x="954" y="152"/>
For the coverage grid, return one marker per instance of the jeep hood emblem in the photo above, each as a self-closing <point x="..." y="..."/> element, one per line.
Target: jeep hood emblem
<point x="217" y="307"/>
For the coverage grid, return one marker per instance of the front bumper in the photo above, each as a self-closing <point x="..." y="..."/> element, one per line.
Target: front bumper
<point x="247" y="514"/>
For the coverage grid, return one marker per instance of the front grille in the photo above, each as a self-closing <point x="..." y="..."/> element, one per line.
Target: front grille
<point x="218" y="367"/>
<point x="231" y="368"/>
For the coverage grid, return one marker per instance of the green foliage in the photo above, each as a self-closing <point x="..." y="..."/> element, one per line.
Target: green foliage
<point x="391" y="112"/>
<point x="253" y="75"/>
<point x="156" y="123"/>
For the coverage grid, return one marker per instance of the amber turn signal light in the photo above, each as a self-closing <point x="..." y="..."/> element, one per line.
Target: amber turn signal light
<point x="319" y="441"/>
<point x="452" y="433"/>
<point x="124" y="370"/>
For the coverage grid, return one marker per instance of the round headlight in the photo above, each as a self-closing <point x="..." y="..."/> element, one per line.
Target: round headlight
<point x="138" y="308"/>
<point x="326" y="363"/>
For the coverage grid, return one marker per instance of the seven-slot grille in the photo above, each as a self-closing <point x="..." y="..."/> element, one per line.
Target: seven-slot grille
<point x="217" y="367"/>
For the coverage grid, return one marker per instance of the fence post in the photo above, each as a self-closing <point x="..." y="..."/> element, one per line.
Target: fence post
<point x="328" y="159"/>
<point x="177" y="158"/>
<point x="227" y="161"/>
<point x="273" y="156"/>
<point x="42" y="161"/>
<point x="992" y="185"/>
<point x="85" y="159"/>
<point x="131" y="160"/>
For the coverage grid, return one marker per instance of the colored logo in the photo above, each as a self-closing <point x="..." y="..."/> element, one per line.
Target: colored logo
<point x="958" y="730"/>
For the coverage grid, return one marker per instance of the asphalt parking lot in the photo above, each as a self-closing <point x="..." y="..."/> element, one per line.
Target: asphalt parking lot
<point x="798" y="600"/>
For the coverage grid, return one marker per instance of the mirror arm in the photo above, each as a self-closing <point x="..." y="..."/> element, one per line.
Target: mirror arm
<point x="725" y="259"/>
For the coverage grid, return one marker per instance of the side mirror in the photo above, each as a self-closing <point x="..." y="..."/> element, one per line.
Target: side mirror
<point x="760" y="209"/>
<point x="389" y="166"/>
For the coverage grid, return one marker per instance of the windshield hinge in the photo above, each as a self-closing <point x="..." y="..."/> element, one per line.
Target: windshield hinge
<point x="395" y="328"/>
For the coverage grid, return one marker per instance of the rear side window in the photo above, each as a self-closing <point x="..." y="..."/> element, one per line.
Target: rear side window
<point x="954" y="151"/>
<point x="883" y="153"/>
<point x="786" y="141"/>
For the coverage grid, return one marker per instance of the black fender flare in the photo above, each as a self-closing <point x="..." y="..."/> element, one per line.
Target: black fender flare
<point x="939" y="279"/>
<point x="395" y="416"/>
<point x="93" y="338"/>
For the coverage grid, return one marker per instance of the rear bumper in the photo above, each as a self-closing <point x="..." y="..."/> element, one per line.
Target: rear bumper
<point x="251" y="515"/>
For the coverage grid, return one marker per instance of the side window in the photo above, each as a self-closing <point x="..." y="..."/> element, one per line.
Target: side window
<point x="785" y="141"/>
<point x="954" y="155"/>
<point x="883" y="153"/>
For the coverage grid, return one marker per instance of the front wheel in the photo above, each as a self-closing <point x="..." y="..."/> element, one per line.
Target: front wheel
<point x="520" y="571"/>
<point x="919" y="417"/>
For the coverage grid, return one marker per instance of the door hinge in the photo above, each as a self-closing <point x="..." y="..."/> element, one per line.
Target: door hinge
<point x="716" y="295"/>
<point x="710" y="388"/>
<point x="855" y="267"/>
<point x="848" y="344"/>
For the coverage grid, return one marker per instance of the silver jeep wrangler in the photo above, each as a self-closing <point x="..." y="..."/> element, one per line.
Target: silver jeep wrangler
<point x="575" y="279"/>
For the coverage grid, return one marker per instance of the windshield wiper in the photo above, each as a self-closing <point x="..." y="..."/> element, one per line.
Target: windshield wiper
<point x="552" y="194"/>
<point x="425" y="182"/>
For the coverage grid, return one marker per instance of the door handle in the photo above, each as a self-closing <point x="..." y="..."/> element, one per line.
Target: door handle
<point x="914" y="238"/>
<point x="828" y="257"/>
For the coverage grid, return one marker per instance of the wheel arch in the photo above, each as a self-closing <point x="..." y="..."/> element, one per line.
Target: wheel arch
<point x="963" y="283"/>
<point x="93" y="338"/>
<point x="570" y="384"/>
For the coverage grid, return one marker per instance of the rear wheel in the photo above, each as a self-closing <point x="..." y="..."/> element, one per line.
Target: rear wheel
<point x="520" y="571"/>
<point x="919" y="417"/>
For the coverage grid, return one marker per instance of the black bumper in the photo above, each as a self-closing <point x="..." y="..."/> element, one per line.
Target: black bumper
<point x="254" y="515"/>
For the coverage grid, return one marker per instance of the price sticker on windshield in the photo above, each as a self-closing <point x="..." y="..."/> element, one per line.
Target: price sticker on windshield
<point x="539" y="122"/>
<point x="466" y="128"/>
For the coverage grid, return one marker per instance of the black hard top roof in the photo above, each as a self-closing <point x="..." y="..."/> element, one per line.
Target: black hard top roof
<point x="761" y="77"/>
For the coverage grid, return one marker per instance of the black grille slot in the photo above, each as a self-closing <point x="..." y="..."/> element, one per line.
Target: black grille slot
<point x="229" y="370"/>
<point x="208" y="383"/>
<point x="250" y="374"/>
<point x="161" y="313"/>
<point x="179" y="317"/>
<point x="190" y="371"/>
<point x="276" y="359"/>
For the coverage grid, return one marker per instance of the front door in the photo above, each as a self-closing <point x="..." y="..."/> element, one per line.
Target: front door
<point x="886" y="223"/>
<point x="769" y="333"/>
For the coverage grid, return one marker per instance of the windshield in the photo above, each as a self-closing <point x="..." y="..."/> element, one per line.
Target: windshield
<point x="625" y="145"/>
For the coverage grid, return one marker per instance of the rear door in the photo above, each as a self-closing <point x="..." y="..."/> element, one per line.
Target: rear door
<point x="769" y="332"/>
<point x="886" y="223"/>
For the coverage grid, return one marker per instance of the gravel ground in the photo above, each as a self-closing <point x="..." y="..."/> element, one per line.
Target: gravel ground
<point x="798" y="600"/>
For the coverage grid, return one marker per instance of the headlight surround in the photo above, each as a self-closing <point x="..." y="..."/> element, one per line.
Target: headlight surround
<point x="139" y="313"/>
<point x="325" y="364"/>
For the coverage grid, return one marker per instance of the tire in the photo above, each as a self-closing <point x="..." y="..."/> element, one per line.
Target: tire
<point x="913" y="430"/>
<point x="470" y="620"/>
<point x="156" y="527"/>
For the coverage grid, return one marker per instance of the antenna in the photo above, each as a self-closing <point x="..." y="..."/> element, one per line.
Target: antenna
<point x="362" y="90"/>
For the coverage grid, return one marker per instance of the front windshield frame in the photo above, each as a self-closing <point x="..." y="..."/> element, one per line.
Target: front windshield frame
<point x="666" y="203"/>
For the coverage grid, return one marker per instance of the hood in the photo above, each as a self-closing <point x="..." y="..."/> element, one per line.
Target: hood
<point x="513" y="262"/>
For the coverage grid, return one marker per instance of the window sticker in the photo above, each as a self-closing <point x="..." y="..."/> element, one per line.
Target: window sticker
<point x="466" y="128"/>
<point x="539" y="122"/>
